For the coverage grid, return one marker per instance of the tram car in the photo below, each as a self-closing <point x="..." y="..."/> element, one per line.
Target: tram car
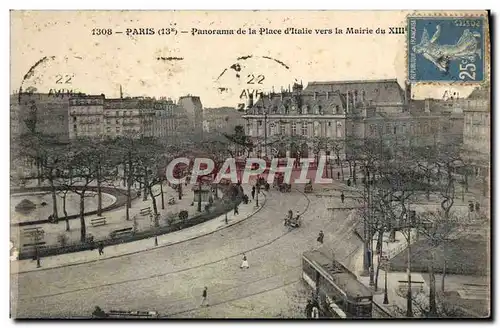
<point x="338" y="292"/>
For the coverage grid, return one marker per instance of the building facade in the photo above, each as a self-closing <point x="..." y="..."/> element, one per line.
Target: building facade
<point x="169" y="119"/>
<point x="477" y="136"/>
<point x="43" y="113"/>
<point x="290" y="123"/>
<point x="97" y="116"/>
<point x="193" y="108"/>
<point x="86" y="116"/>
<point x="224" y="120"/>
<point x="129" y="117"/>
<point x="287" y="122"/>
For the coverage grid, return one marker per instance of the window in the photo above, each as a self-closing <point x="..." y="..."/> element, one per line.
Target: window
<point x="294" y="129"/>
<point x="283" y="128"/>
<point x="395" y="129"/>
<point x="74" y="127"/>
<point x="117" y="113"/>
<point x="260" y="123"/>
<point x="372" y="129"/>
<point x="388" y="128"/>
<point x="304" y="129"/>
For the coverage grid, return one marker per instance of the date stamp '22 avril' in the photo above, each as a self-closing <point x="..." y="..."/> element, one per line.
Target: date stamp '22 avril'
<point x="446" y="49"/>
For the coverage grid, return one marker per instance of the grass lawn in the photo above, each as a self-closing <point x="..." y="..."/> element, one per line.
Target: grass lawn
<point x="463" y="256"/>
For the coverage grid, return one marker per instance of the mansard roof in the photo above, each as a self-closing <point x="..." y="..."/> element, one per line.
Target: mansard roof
<point x="377" y="91"/>
<point x="327" y="103"/>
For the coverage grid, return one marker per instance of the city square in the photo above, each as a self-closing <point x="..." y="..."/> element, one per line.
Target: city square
<point x="342" y="196"/>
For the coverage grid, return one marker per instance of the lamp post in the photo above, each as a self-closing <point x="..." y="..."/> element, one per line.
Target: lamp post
<point x="199" y="196"/>
<point x="386" y="297"/>
<point x="257" y="191"/>
<point x="265" y="134"/>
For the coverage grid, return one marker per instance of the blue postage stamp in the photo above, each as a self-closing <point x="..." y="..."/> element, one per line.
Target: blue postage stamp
<point x="446" y="49"/>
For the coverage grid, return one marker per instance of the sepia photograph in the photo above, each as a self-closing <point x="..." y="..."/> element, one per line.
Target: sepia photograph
<point x="299" y="165"/>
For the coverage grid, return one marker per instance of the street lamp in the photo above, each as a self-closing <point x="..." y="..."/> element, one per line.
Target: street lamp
<point x="265" y="134"/>
<point x="386" y="297"/>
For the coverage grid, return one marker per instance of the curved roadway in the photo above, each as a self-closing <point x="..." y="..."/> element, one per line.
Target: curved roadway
<point x="170" y="279"/>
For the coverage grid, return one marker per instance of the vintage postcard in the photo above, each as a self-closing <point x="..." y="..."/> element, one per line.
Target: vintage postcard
<point x="250" y="164"/>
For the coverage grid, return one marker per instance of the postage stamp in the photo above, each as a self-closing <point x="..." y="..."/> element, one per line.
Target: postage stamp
<point x="446" y="49"/>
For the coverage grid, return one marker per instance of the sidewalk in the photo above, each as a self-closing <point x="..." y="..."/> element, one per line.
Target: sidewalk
<point x="116" y="219"/>
<point x="245" y="212"/>
<point x="395" y="280"/>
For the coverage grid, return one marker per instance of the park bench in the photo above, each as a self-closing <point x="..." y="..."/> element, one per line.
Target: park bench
<point x="132" y="314"/>
<point x="98" y="222"/>
<point x="145" y="211"/>
<point x="30" y="231"/>
<point x="121" y="232"/>
<point x="31" y="247"/>
<point x="34" y="235"/>
<point x="416" y="286"/>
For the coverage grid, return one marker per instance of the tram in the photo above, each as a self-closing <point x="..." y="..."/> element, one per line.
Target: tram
<point x="338" y="292"/>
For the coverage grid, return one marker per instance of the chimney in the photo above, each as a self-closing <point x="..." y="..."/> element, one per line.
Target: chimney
<point x="327" y="95"/>
<point x="347" y="101"/>
<point x="408" y="92"/>
<point x="315" y="95"/>
<point x="250" y="100"/>
<point x="427" y="105"/>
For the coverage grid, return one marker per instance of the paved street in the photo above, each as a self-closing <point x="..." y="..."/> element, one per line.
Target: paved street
<point x="170" y="279"/>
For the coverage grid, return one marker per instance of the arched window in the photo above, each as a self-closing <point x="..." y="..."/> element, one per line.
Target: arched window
<point x="294" y="129"/>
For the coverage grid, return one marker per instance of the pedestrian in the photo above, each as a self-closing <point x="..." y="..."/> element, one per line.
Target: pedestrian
<point x="477" y="206"/>
<point x="338" y="175"/>
<point x="101" y="248"/>
<point x="253" y="192"/>
<point x="204" y="297"/>
<point x="244" y="262"/>
<point x="471" y="207"/>
<point x="315" y="312"/>
<point x="342" y="197"/>
<point x="236" y="209"/>
<point x="320" y="238"/>
<point x="309" y="308"/>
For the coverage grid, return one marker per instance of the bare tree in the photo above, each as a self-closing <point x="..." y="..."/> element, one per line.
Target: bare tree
<point x="83" y="172"/>
<point x="438" y="228"/>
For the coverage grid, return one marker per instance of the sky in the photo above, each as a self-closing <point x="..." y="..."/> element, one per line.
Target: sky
<point x="175" y="65"/>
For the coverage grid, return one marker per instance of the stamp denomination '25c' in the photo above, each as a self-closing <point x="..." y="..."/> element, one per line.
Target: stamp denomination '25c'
<point x="446" y="49"/>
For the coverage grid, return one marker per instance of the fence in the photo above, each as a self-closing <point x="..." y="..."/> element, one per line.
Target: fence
<point x="176" y="226"/>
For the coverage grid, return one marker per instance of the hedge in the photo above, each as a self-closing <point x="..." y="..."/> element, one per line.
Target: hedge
<point x="179" y="225"/>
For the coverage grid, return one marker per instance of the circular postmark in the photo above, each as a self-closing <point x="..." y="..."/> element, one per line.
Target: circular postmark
<point x="249" y="77"/>
<point x="54" y="76"/>
<point x="42" y="102"/>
